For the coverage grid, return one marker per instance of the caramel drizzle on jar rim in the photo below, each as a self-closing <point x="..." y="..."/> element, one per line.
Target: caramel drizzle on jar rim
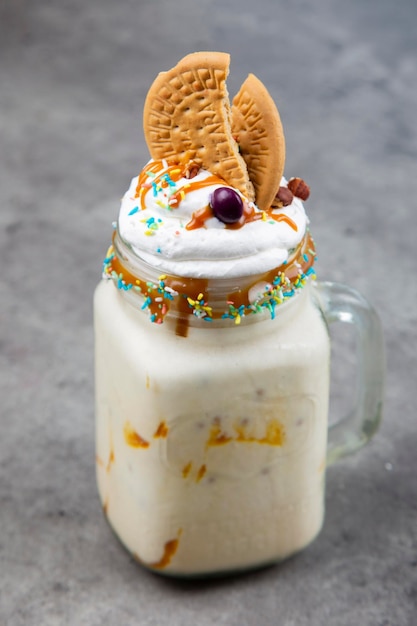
<point x="162" y="175"/>
<point x="191" y="293"/>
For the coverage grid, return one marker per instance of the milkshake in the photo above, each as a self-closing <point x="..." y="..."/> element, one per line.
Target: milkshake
<point x="212" y="349"/>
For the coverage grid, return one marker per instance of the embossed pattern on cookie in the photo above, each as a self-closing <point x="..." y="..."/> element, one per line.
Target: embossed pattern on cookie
<point x="187" y="115"/>
<point x="257" y="125"/>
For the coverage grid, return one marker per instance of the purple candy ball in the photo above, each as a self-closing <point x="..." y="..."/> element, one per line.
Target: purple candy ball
<point x="227" y="205"/>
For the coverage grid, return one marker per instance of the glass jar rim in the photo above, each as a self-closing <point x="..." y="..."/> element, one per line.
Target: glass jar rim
<point x="207" y="299"/>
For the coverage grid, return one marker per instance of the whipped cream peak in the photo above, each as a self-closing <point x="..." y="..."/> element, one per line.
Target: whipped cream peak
<point x="167" y="220"/>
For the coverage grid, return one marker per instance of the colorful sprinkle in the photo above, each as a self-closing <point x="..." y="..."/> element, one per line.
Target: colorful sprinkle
<point x="168" y="179"/>
<point x="200" y="308"/>
<point x="147" y="302"/>
<point x="152" y="225"/>
<point x="157" y="295"/>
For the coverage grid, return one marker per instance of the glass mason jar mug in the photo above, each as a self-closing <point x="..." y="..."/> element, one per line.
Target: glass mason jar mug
<point x="212" y="427"/>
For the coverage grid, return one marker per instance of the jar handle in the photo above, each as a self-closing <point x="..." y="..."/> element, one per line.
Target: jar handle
<point x="340" y="303"/>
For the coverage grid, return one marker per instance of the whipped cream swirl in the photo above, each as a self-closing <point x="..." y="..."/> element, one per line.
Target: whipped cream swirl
<point x="155" y="216"/>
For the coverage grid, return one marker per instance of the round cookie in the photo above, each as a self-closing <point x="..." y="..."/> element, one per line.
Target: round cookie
<point x="257" y="126"/>
<point x="187" y="116"/>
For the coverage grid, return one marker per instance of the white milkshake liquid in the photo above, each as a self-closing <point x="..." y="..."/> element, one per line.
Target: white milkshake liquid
<point x="211" y="448"/>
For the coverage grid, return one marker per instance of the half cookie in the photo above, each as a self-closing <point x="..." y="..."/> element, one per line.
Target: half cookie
<point x="257" y="125"/>
<point x="187" y="116"/>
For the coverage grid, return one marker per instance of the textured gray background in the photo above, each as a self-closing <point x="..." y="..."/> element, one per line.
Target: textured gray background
<point x="73" y="77"/>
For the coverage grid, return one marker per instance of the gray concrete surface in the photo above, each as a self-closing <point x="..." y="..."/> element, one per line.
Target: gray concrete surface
<point x="73" y="77"/>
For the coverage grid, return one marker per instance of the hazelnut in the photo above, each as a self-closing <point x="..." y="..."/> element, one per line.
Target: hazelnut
<point x="284" y="196"/>
<point x="191" y="169"/>
<point x="299" y="188"/>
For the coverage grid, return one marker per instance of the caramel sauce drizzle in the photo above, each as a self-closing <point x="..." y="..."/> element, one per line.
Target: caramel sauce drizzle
<point x="201" y="472"/>
<point x="251" y="216"/>
<point x="199" y="218"/>
<point x="133" y="438"/>
<point x="170" y="549"/>
<point x="217" y="437"/>
<point x="187" y="469"/>
<point x="300" y="261"/>
<point x="161" y="431"/>
<point x="296" y="263"/>
<point x="163" y="173"/>
<point x="149" y="175"/>
<point x="156" y="174"/>
<point x="274" y="435"/>
<point x="193" y="186"/>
